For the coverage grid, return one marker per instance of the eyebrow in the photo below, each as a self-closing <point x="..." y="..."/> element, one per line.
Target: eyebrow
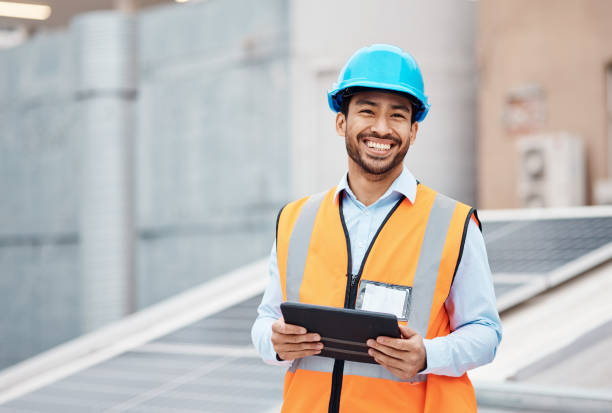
<point x="366" y="102"/>
<point x="401" y="107"/>
<point x="394" y="107"/>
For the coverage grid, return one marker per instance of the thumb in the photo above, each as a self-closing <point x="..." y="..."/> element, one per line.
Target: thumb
<point x="406" y="331"/>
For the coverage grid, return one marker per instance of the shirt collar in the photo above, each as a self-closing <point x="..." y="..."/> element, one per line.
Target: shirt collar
<point x="405" y="184"/>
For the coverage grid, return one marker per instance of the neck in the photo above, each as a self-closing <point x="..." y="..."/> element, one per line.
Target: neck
<point x="368" y="188"/>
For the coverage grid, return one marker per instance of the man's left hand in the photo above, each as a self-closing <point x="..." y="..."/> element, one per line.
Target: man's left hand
<point x="403" y="357"/>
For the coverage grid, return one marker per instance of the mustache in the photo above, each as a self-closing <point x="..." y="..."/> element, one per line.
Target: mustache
<point x="363" y="135"/>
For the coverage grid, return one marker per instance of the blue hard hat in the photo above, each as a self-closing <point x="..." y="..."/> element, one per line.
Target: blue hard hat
<point x="381" y="66"/>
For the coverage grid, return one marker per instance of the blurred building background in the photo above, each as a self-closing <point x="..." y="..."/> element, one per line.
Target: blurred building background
<point x="545" y="71"/>
<point x="146" y="147"/>
<point x="142" y="154"/>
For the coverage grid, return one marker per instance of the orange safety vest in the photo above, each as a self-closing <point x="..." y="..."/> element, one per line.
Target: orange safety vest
<point x="419" y="246"/>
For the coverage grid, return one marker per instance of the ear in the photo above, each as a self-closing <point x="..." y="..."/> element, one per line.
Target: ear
<point x="414" y="128"/>
<point x="341" y="124"/>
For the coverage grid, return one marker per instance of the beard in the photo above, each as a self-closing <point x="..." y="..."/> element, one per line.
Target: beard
<point x="370" y="164"/>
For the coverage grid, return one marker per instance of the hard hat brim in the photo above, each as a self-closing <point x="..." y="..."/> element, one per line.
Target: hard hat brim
<point x="334" y="96"/>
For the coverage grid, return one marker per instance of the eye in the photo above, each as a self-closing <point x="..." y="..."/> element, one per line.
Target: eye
<point x="398" y="115"/>
<point x="366" y="111"/>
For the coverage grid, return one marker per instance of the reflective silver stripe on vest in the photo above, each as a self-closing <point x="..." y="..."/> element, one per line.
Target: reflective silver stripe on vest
<point x="426" y="275"/>
<point x="377" y="371"/>
<point x="423" y="288"/>
<point x="298" y="245"/>
<point x="313" y="363"/>
<point x="326" y="365"/>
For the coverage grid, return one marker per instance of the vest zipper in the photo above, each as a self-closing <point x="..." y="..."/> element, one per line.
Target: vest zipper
<point x="350" y="297"/>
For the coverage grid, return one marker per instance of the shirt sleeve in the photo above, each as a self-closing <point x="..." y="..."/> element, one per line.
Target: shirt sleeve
<point x="472" y="309"/>
<point x="267" y="313"/>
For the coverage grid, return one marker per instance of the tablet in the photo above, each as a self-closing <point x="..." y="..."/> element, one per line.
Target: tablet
<point x="343" y="331"/>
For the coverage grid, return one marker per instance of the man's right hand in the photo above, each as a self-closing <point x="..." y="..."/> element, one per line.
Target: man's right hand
<point x="293" y="342"/>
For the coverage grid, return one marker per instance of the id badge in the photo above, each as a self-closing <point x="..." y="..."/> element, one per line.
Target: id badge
<point x="384" y="298"/>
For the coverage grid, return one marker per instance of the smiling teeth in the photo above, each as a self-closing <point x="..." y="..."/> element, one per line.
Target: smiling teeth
<point x="381" y="146"/>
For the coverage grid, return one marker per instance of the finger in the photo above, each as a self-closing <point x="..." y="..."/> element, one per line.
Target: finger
<point x="403" y="372"/>
<point x="396" y="343"/>
<point x="292" y="355"/>
<point x="280" y="326"/>
<point x="390" y="351"/>
<point x="288" y="347"/>
<point x="295" y="338"/>
<point x="406" y="331"/>
<point x="385" y="360"/>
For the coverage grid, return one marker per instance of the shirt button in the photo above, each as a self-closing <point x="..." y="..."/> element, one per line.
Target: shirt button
<point x="367" y="212"/>
<point x="361" y="244"/>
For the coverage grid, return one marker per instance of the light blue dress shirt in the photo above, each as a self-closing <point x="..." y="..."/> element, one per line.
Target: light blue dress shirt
<point x="474" y="321"/>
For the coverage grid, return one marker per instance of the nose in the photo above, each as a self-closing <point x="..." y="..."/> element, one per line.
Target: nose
<point x="381" y="126"/>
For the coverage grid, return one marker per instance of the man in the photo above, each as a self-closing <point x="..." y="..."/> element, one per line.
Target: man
<point x="381" y="231"/>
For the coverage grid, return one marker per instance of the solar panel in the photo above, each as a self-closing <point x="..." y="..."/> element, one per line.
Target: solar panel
<point x="231" y="326"/>
<point x="156" y="382"/>
<point x="543" y="245"/>
<point x="173" y="373"/>
<point x="528" y="256"/>
<point x="502" y="288"/>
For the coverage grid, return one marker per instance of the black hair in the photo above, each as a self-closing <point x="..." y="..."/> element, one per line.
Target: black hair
<point x="346" y="95"/>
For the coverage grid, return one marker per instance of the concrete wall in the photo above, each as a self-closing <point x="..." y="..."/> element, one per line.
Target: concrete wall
<point x="440" y="35"/>
<point x="562" y="48"/>
<point x="211" y="148"/>
<point x="209" y="165"/>
<point x="39" y="274"/>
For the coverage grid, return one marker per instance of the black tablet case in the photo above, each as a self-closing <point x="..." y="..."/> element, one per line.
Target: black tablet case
<point x="343" y="332"/>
